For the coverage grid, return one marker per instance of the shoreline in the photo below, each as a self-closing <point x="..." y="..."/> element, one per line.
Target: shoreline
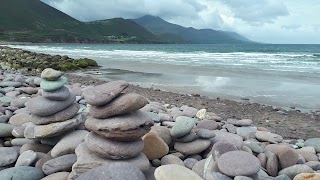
<point x="290" y="124"/>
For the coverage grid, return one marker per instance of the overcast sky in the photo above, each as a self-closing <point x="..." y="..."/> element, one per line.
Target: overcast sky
<point x="270" y="21"/>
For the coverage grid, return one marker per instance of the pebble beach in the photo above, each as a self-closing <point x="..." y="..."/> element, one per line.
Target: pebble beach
<point x="67" y="126"/>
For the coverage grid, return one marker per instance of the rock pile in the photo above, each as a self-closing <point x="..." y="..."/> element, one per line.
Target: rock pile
<point x="44" y="133"/>
<point x="116" y="126"/>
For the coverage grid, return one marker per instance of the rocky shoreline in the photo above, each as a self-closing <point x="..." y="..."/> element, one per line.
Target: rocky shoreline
<point x="27" y="62"/>
<point x="65" y="126"/>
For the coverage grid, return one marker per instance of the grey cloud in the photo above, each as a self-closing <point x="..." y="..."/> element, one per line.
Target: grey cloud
<point x="257" y="11"/>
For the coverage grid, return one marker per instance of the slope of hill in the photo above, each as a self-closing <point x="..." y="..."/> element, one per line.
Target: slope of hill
<point x="35" y="21"/>
<point x="191" y="35"/>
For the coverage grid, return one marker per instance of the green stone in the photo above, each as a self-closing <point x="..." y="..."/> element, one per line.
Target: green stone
<point x="53" y="85"/>
<point x="21" y="173"/>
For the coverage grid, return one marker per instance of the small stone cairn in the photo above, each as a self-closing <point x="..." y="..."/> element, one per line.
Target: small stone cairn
<point x="54" y="112"/>
<point x="116" y="126"/>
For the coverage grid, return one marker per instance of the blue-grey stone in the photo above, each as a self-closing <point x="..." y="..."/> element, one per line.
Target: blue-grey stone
<point x="154" y="116"/>
<point x="61" y="163"/>
<point x="182" y="126"/>
<point x="60" y="94"/>
<point x="53" y="85"/>
<point x="41" y="106"/>
<point x="313" y="142"/>
<point x="205" y="133"/>
<point x="8" y="155"/>
<point x="6" y="99"/>
<point x="26" y="158"/>
<point x="10" y="84"/>
<point x="21" y="173"/>
<point x="5" y="130"/>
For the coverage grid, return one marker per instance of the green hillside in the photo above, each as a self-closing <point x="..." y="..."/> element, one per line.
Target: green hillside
<point x="35" y="21"/>
<point x="190" y="35"/>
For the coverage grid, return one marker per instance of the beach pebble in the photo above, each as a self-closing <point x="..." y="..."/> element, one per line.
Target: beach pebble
<point x="60" y="116"/>
<point x="121" y="128"/>
<point x="4" y="118"/>
<point x="292" y="171"/>
<point x="313" y="142"/>
<point x="41" y="106"/>
<point x="217" y="176"/>
<point x="205" y="133"/>
<point x="18" y="131"/>
<point x="19" y="102"/>
<point x="8" y="155"/>
<point x="190" y="162"/>
<point x="182" y="126"/>
<point x="19" y="119"/>
<point x="37" y="81"/>
<point x="315" y="165"/>
<point x="5" y="130"/>
<point x="57" y="176"/>
<point x="22" y="141"/>
<point x="113" y="149"/>
<point x="10" y="84"/>
<point x="175" y="172"/>
<point x="21" y="173"/>
<point x="26" y="158"/>
<point x="61" y="163"/>
<point x="238" y="163"/>
<point x="189" y="111"/>
<point x="53" y="129"/>
<point x="307" y="176"/>
<point x="199" y="167"/>
<point x="119" y="171"/>
<point x="163" y="132"/>
<point x="68" y="143"/>
<point x="187" y="138"/>
<point x="272" y="165"/>
<point x="243" y="122"/>
<point x="123" y="104"/>
<point x="268" y="137"/>
<point x="154" y="116"/>
<point x="28" y="90"/>
<point x="53" y="85"/>
<point x="287" y="157"/>
<point x="60" y="94"/>
<point x="6" y="99"/>
<point x="246" y="132"/>
<point x="154" y="146"/>
<point x="220" y="148"/>
<point x="201" y="114"/>
<point x="51" y="74"/>
<point x="171" y="159"/>
<point x="88" y="160"/>
<point x="208" y="124"/>
<point x="193" y="147"/>
<point x="36" y="148"/>
<point x="104" y="93"/>
<point x="233" y="139"/>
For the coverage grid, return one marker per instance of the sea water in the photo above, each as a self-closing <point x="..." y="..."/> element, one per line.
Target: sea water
<point x="278" y="75"/>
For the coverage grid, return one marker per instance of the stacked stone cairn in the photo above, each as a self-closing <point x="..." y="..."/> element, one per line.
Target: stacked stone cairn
<point x="116" y="126"/>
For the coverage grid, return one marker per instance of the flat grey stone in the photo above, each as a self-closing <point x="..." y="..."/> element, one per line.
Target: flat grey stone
<point x="193" y="147"/>
<point x="41" y="106"/>
<point x="8" y="155"/>
<point x="60" y="116"/>
<point x="61" y="163"/>
<point x="121" y="170"/>
<point x="294" y="170"/>
<point x="53" y="85"/>
<point x="10" y="84"/>
<point x="60" y="94"/>
<point x="113" y="149"/>
<point x="182" y="126"/>
<point x="5" y="130"/>
<point x="68" y="143"/>
<point x="26" y="158"/>
<point x="21" y="173"/>
<point x="51" y="74"/>
<point x="104" y="93"/>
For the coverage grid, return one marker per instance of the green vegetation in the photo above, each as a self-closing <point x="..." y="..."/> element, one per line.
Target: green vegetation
<point x="35" y="21"/>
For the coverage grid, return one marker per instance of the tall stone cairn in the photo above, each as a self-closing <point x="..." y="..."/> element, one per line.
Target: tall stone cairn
<point x="116" y="126"/>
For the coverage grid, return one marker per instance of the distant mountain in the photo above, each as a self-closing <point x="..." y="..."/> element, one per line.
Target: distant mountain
<point x="190" y="35"/>
<point x="35" y="21"/>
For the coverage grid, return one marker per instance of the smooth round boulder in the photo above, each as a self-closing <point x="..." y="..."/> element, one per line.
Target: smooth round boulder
<point x="294" y="170"/>
<point x="26" y="158"/>
<point x="21" y="173"/>
<point x="123" y="104"/>
<point x="104" y="93"/>
<point x="175" y="172"/>
<point x="182" y="126"/>
<point x="53" y="85"/>
<point x="113" y="149"/>
<point x="51" y="74"/>
<point x="42" y="106"/>
<point x="220" y="148"/>
<point x="233" y="139"/>
<point x="19" y="119"/>
<point x="128" y="127"/>
<point x="194" y="147"/>
<point x="8" y="155"/>
<point x="154" y="146"/>
<point x="238" y="163"/>
<point x="60" y="94"/>
<point x="268" y="137"/>
<point x="120" y="170"/>
<point x="63" y="115"/>
<point x="287" y="157"/>
<point x="307" y="176"/>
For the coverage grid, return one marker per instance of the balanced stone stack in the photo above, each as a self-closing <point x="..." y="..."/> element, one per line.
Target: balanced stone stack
<point x="117" y="126"/>
<point x="54" y="112"/>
